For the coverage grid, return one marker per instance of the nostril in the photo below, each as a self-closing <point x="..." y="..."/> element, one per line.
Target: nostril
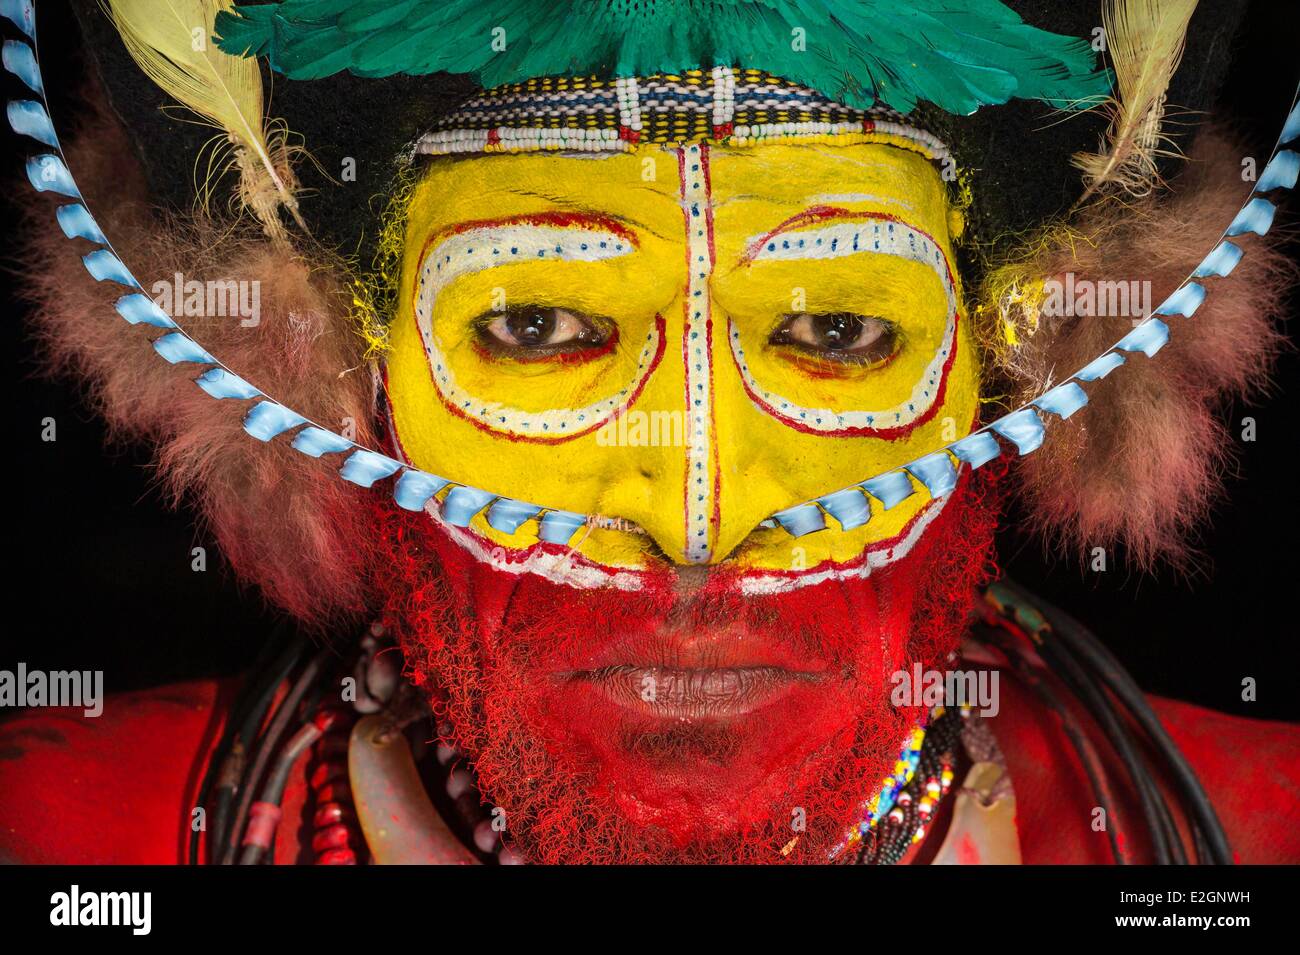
<point x="647" y="474"/>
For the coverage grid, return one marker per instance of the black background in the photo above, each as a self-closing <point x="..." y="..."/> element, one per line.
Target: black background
<point x="99" y="575"/>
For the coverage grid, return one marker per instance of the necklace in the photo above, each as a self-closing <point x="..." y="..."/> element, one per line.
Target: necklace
<point x="902" y="820"/>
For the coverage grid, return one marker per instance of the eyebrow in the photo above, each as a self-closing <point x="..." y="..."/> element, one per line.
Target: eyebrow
<point x="843" y="232"/>
<point x="481" y="244"/>
<point x="850" y="233"/>
<point x="807" y="216"/>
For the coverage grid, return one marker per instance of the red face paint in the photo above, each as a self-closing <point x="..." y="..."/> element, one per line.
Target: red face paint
<point x="770" y="712"/>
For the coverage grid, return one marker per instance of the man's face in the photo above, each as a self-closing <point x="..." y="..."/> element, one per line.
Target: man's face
<point x="683" y="342"/>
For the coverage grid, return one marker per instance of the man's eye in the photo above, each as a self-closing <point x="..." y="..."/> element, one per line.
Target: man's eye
<point x="538" y="328"/>
<point x="840" y="336"/>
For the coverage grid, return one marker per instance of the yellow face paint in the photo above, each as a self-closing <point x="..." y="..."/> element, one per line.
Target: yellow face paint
<point x="689" y="411"/>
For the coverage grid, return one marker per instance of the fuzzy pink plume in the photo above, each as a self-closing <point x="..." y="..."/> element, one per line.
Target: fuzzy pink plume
<point x="283" y="520"/>
<point x="1142" y="464"/>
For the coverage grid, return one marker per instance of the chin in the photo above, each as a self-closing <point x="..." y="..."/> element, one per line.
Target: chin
<point x="672" y="724"/>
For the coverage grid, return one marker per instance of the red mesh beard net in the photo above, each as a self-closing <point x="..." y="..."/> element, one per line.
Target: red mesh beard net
<point x="582" y="780"/>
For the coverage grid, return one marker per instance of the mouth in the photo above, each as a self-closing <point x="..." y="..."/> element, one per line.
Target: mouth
<point x="684" y="693"/>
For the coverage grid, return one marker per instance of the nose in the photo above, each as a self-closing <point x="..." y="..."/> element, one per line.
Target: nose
<point x="664" y="447"/>
<point x="697" y="468"/>
<point x="689" y="496"/>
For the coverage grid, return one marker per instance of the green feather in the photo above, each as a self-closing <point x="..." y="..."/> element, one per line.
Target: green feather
<point x="958" y="54"/>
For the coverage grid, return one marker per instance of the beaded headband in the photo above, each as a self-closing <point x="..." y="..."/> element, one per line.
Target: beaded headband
<point x="735" y="107"/>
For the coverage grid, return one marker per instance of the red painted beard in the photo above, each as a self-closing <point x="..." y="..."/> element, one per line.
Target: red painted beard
<point x="768" y="716"/>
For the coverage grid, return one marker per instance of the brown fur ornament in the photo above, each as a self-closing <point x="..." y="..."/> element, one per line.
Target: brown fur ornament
<point x="283" y="520"/>
<point x="1142" y="464"/>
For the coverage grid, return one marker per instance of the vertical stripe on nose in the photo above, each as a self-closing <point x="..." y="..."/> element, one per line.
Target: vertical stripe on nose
<point x="702" y="489"/>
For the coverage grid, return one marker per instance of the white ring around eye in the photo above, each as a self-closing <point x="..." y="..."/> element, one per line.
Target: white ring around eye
<point x="863" y="237"/>
<point x="479" y="249"/>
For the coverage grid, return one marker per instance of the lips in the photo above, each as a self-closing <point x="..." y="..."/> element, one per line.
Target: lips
<point x="685" y="693"/>
<point x="690" y="667"/>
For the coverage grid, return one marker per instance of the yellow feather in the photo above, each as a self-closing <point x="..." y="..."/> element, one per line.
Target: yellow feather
<point x="171" y="41"/>
<point x="1145" y="39"/>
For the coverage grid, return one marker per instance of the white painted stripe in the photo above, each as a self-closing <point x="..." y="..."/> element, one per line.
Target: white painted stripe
<point x="475" y="250"/>
<point x="568" y="568"/>
<point x="699" y="501"/>
<point x="572" y="570"/>
<point x="877" y="555"/>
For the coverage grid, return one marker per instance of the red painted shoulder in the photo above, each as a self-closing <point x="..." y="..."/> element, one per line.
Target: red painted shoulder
<point x="1249" y="768"/>
<point x="117" y="788"/>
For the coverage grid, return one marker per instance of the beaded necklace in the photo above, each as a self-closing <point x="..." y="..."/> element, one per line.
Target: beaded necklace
<point x="905" y="822"/>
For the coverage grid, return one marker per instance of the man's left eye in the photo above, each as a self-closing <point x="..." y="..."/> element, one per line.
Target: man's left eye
<point x="840" y="336"/>
<point x="539" y="328"/>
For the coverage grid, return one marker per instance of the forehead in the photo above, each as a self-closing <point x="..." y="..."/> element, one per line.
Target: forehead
<point x="749" y="188"/>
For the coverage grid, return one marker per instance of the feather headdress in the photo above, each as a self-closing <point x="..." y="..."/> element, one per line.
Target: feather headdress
<point x="1145" y="38"/>
<point x="958" y="55"/>
<point x="171" y="42"/>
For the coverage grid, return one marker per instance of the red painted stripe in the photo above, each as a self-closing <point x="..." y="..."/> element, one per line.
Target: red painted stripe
<point x="714" y="448"/>
<point x="580" y="220"/>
